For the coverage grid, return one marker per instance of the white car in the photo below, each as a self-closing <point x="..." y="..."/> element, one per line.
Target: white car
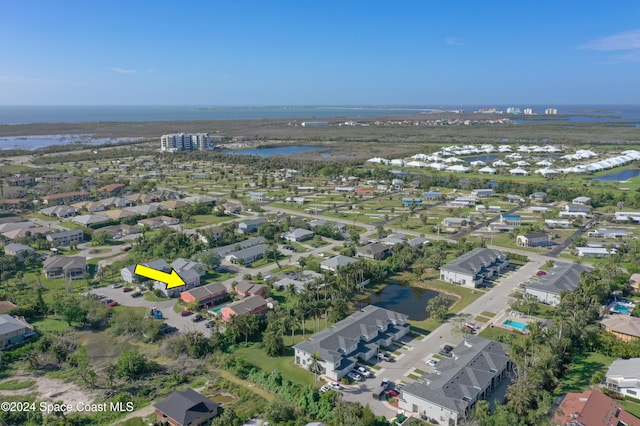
<point x="363" y="371"/>
<point x="355" y="376"/>
<point x="324" y="388"/>
<point x="431" y="362"/>
<point x="335" y="385"/>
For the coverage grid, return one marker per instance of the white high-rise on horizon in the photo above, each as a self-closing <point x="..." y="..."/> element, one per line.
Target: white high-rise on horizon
<point x="551" y="111"/>
<point x="185" y="142"/>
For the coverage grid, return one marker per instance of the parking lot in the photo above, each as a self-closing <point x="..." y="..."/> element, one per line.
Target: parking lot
<point x="165" y="306"/>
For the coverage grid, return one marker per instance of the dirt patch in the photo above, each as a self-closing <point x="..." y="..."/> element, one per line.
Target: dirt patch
<point x="48" y="389"/>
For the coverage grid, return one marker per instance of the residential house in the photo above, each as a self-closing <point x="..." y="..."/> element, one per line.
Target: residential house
<point x="145" y="209"/>
<point x="88" y="219"/>
<point x="90" y="206"/>
<point x="207" y="296"/>
<point x="418" y="241"/>
<point x="159" y="221"/>
<point x="298" y="234"/>
<point x="119" y="202"/>
<point x="624" y="327"/>
<point x="181" y="264"/>
<point x="14" y="331"/>
<point x="598" y="252"/>
<point x="374" y="251"/>
<point x="68" y="267"/>
<point x="127" y="274"/>
<point x="191" y="280"/>
<point x="558" y="223"/>
<point x="173" y="204"/>
<point x="592" y="408"/>
<point x="335" y="263"/>
<point x="186" y="408"/>
<point x="232" y="208"/>
<point x="257" y="196"/>
<point x="511" y="219"/>
<point x="118" y="213"/>
<point x="472" y="268"/>
<point x="66" y="238"/>
<point x="474" y="372"/>
<point x="623" y="377"/>
<point x="577" y="208"/>
<point x="252" y="305"/>
<point x="13" y="234"/>
<point x="535" y="239"/>
<point x="345" y="189"/>
<point x="409" y="202"/>
<point x="583" y="201"/>
<point x="120" y="231"/>
<point x="614" y="234"/>
<point x="357" y="337"/>
<point x="20" y="251"/>
<point x="59" y="211"/>
<point x="223" y="251"/>
<point x="248" y="255"/>
<point x="562" y="278"/>
<point x="251" y="225"/>
<point x="432" y="195"/>
<point x="455" y="222"/>
<point x="538" y="209"/>
<point x="110" y="190"/>
<point x="482" y="193"/>
<point x="142" y="198"/>
<point x="393" y="239"/>
<point x="538" y="196"/>
<point x="66" y="198"/>
<point x="247" y="288"/>
<point x="504" y="229"/>
<point x="286" y="282"/>
<point x="514" y="199"/>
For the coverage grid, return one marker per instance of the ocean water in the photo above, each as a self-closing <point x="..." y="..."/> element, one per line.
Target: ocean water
<point x="94" y="113"/>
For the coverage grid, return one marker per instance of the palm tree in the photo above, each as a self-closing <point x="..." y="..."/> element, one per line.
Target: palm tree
<point x="315" y="367"/>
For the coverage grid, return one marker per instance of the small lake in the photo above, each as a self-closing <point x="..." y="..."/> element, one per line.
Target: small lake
<point x="35" y="142"/>
<point x="405" y="299"/>
<point x="273" y="151"/>
<point x="621" y="175"/>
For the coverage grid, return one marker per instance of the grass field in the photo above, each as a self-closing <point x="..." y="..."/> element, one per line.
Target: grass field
<point x="579" y="374"/>
<point x="284" y="364"/>
<point x="16" y="384"/>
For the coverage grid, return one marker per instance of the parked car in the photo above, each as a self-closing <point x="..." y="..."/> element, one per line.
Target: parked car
<point x="431" y="362"/>
<point x="394" y="393"/>
<point x="116" y="285"/>
<point x="363" y="371"/>
<point x="210" y="324"/>
<point x="127" y="289"/>
<point x="136" y="294"/>
<point x="541" y="273"/>
<point x="197" y="318"/>
<point x="385" y="383"/>
<point x="112" y="304"/>
<point x="335" y="385"/>
<point x="384" y="356"/>
<point x="100" y="296"/>
<point x="324" y="388"/>
<point x="355" y="376"/>
<point x="107" y="301"/>
<point x="185" y="313"/>
<point x="446" y="351"/>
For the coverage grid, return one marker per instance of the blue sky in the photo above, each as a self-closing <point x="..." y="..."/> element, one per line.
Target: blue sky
<point x="318" y="53"/>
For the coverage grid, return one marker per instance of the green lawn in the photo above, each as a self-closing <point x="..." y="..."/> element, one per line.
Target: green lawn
<point x="284" y="364"/>
<point x="632" y="407"/>
<point x="578" y="376"/>
<point x="16" y="384"/>
<point x="50" y="325"/>
<point x="199" y="220"/>
<point x="497" y="334"/>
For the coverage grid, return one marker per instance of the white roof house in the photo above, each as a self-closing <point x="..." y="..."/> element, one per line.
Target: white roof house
<point x="518" y="171"/>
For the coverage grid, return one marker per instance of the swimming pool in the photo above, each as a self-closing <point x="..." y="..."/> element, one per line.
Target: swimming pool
<point x="622" y="309"/>
<point x="515" y="324"/>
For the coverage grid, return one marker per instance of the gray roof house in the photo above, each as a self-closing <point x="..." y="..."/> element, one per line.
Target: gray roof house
<point x="374" y="251"/>
<point x="472" y="268"/>
<point x="69" y="267"/>
<point x="181" y="264"/>
<point x="623" y="377"/>
<point x="249" y="226"/>
<point x="336" y="262"/>
<point x="20" y="251"/>
<point x="14" y="331"/>
<point x="186" y="407"/>
<point x="248" y="255"/>
<point x="191" y="278"/>
<point x="477" y="368"/>
<point x="298" y="234"/>
<point x="359" y="336"/>
<point x="222" y="251"/>
<point x="562" y="278"/>
<point x="128" y="272"/>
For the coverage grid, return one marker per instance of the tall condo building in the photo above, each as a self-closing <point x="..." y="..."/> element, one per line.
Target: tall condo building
<point x="551" y="111"/>
<point x="185" y="142"/>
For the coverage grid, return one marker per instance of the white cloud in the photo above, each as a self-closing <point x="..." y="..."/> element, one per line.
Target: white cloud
<point x="453" y="41"/>
<point x="123" y="70"/>
<point x="628" y="40"/>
